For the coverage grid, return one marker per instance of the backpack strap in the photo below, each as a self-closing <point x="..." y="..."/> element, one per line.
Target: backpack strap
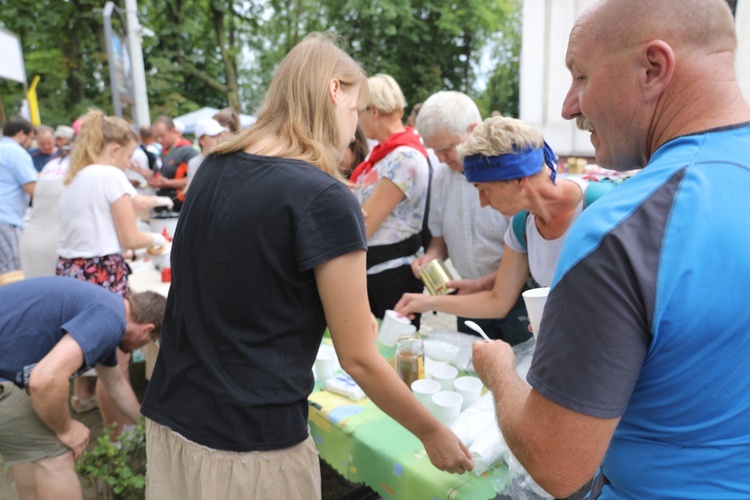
<point x="596" y="190"/>
<point x="519" y="228"/>
<point x="425" y="232"/>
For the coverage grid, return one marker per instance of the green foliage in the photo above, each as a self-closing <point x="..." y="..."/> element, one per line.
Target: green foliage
<point x="215" y="52"/>
<point x="501" y="93"/>
<point x="120" y="465"/>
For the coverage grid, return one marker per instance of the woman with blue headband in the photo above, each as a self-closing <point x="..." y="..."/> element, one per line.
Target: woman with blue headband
<point x="514" y="170"/>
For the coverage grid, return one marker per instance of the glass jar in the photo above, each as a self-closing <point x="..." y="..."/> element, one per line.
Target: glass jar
<point x="410" y="358"/>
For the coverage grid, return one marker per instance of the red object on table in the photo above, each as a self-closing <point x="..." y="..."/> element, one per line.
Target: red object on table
<point x="166" y="275"/>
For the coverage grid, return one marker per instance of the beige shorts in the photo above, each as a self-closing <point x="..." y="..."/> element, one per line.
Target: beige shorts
<point x="23" y="436"/>
<point x="181" y="469"/>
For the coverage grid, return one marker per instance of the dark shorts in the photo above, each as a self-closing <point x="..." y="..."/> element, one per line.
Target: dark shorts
<point x="23" y="436"/>
<point x="109" y="271"/>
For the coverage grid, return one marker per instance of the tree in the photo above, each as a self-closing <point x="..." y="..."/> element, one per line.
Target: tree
<point x="502" y="91"/>
<point x="426" y="45"/>
<point x="63" y="43"/>
<point x="224" y="52"/>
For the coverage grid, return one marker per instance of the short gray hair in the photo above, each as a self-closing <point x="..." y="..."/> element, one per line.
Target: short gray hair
<point x="450" y="111"/>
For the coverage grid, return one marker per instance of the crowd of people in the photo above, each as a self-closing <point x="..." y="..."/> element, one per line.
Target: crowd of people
<point x="321" y="215"/>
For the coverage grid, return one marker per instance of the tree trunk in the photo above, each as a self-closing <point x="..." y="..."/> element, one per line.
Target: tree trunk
<point x="230" y="68"/>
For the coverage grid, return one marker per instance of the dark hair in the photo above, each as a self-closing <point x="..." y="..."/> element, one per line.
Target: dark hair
<point x="148" y="307"/>
<point x="146" y="132"/>
<point x="359" y="149"/>
<point x="15" y="125"/>
<point x="228" y="117"/>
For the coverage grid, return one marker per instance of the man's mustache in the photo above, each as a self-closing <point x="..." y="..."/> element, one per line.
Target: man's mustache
<point x="583" y="124"/>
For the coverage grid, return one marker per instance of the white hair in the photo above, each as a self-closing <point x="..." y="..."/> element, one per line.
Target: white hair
<point x="449" y="111"/>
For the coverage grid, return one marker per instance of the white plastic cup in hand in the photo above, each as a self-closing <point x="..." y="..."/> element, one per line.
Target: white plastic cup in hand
<point x="326" y="363"/>
<point x="159" y="240"/>
<point x="445" y="375"/>
<point x="164" y="201"/>
<point x="424" y="389"/>
<point x="468" y="387"/>
<point x="535" y="299"/>
<point x="393" y="327"/>
<point x="447" y="406"/>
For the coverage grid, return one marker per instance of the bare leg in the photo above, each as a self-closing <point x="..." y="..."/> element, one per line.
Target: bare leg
<point x="83" y="389"/>
<point x="110" y="412"/>
<point x="53" y="478"/>
<point x="23" y="475"/>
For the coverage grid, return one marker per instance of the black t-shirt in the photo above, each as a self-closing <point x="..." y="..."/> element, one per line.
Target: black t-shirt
<point x="174" y="166"/>
<point x="244" y="319"/>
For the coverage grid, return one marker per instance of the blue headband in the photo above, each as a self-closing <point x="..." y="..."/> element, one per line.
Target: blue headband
<point x="479" y="168"/>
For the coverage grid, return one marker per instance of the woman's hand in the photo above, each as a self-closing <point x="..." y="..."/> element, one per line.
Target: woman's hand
<point x="446" y="451"/>
<point x="411" y="303"/>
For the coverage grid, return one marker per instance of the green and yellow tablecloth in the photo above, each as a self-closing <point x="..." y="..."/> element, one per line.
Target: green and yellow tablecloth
<point x="367" y="446"/>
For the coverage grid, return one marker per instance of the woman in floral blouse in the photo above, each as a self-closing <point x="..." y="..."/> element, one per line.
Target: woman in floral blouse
<point x="391" y="185"/>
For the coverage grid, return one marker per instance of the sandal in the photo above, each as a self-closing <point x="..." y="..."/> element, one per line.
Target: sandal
<point x="83" y="405"/>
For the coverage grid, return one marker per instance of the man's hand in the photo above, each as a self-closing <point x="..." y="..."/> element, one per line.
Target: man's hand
<point x="157" y="181"/>
<point x="490" y="358"/>
<point x="75" y="437"/>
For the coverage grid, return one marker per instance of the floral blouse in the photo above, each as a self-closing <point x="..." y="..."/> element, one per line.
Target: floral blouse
<point x="408" y="169"/>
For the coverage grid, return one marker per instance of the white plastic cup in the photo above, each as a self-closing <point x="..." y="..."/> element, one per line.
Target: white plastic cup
<point x="445" y="375"/>
<point x="468" y="387"/>
<point x="424" y="389"/>
<point x="535" y="299"/>
<point x="392" y="327"/>
<point x="326" y="363"/>
<point x="447" y="406"/>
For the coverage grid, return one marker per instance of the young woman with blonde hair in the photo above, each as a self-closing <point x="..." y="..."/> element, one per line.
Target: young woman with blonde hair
<point x="269" y="250"/>
<point x="97" y="223"/>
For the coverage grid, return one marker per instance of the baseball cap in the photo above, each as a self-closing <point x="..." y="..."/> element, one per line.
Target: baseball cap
<point x="209" y="127"/>
<point x="64" y="131"/>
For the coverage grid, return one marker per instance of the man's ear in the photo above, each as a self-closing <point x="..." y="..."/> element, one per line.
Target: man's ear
<point x="145" y="329"/>
<point x="472" y="126"/>
<point x="658" y="65"/>
<point x="333" y="91"/>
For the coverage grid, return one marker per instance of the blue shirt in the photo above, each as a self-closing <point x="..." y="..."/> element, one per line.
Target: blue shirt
<point x="16" y="169"/>
<point x="40" y="159"/>
<point x="36" y="313"/>
<point x="648" y="321"/>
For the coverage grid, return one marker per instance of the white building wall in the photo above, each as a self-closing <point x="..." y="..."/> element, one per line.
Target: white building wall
<point x="544" y="79"/>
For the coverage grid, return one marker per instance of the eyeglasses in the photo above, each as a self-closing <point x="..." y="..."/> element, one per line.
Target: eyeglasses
<point x="446" y="148"/>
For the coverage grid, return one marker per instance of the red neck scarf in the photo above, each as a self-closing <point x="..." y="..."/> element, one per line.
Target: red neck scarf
<point x="406" y="138"/>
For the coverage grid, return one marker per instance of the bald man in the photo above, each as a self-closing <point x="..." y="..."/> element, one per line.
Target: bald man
<point x="640" y="377"/>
